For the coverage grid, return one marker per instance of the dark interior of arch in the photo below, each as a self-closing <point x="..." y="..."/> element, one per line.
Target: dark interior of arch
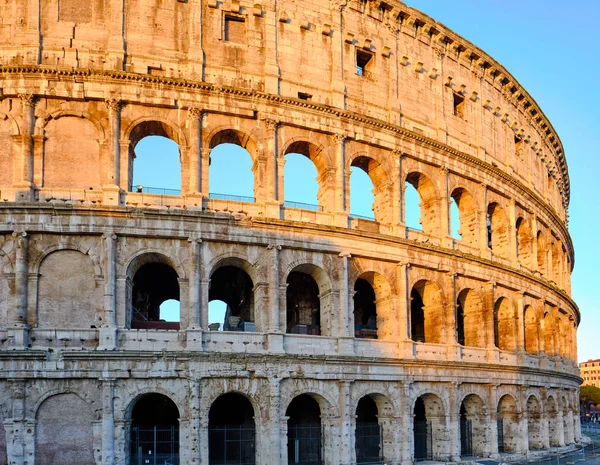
<point x="420" y="431"/>
<point x="365" y="310"/>
<point x="368" y="432"/>
<point x="417" y="317"/>
<point x="460" y="320"/>
<point x="304" y="410"/>
<point x="153" y="284"/>
<point x="233" y="286"/>
<point x="303" y="304"/>
<point x="154" y="409"/>
<point x="231" y="410"/>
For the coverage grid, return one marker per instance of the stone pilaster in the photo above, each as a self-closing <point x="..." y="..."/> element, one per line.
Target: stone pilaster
<point x="18" y="329"/>
<point x="108" y="330"/>
<point x="340" y="201"/>
<point x="195" y="300"/>
<point x="108" y="422"/>
<point x="195" y="119"/>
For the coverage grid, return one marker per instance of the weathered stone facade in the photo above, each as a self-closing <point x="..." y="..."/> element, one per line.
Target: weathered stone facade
<point x="478" y="331"/>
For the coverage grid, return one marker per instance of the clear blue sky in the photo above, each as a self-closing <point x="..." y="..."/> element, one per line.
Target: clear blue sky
<point x="550" y="48"/>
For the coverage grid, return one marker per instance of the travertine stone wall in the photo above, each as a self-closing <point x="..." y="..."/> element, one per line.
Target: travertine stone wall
<point x="373" y="85"/>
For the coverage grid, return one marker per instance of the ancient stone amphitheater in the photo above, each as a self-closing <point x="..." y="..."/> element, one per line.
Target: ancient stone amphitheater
<point x="348" y="340"/>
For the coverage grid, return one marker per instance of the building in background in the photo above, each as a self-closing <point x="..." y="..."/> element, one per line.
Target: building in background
<point x="590" y="372"/>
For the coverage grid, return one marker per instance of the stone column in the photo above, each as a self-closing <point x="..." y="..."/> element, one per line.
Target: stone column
<point x="523" y="439"/>
<point x="204" y="169"/>
<point x="483" y="217"/>
<point x="271" y="152"/>
<point x="194" y="422"/>
<point x="108" y="422"/>
<point x="346" y="338"/>
<point x="404" y="324"/>
<point x="195" y="119"/>
<point x="450" y="317"/>
<point x="108" y="330"/>
<point x="406" y="425"/>
<point x="397" y="191"/>
<point x="38" y="159"/>
<point x="512" y="233"/>
<point x="272" y="71"/>
<point x="24" y="183"/>
<point x="337" y="87"/>
<point x="492" y="445"/>
<point x="454" y="422"/>
<point x="274" y="291"/>
<point x="340" y="201"/>
<point x="534" y="245"/>
<point x="18" y="329"/>
<point x="204" y="284"/>
<point x="18" y="444"/>
<point x="519" y="320"/>
<point x="194" y="283"/>
<point x="272" y="447"/>
<point x="113" y="172"/>
<point x="488" y="305"/>
<point x="346" y="434"/>
<point x="124" y="165"/>
<point x="445" y="224"/>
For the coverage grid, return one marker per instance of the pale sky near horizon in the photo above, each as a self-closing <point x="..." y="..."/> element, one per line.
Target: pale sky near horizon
<point x="550" y="48"/>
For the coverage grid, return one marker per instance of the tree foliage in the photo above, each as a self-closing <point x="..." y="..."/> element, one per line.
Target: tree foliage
<point x="590" y="394"/>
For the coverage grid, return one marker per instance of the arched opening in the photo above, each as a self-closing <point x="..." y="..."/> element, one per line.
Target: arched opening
<point x="230" y="284"/>
<point x="155" y="159"/>
<point x="155" y="287"/>
<point x="417" y="317"/>
<point x="524" y="239"/>
<point x="230" y="173"/>
<point x="498" y="231"/>
<point x="154" y="434"/>
<point x="508" y="425"/>
<point x="505" y="336"/>
<point x="532" y="339"/>
<point x="469" y="315"/>
<point x="556" y="262"/>
<point x="534" y="424"/>
<point x="427" y="204"/>
<point x="427" y="313"/>
<point x="365" y="310"/>
<point x="463" y="213"/>
<point x="567" y="430"/>
<point x="429" y="428"/>
<point x="473" y="427"/>
<point x="303" y="177"/>
<point x="304" y="435"/>
<point x="563" y="323"/>
<point x="306" y="302"/>
<point x="368" y="432"/>
<point x="553" y="426"/>
<point x="541" y="253"/>
<point x="549" y="335"/>
<point x="369" y="196"/>
<point x="231" y="431"/>
<point x="362" y="198"/>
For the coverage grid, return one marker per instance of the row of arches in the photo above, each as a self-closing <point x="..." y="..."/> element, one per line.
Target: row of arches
<point x="371" y="180"/>
<point x="463" y="315"/>
<point x="233" y="428"/>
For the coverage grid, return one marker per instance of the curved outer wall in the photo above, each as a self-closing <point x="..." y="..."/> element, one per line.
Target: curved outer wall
<point x="80" y="85"/>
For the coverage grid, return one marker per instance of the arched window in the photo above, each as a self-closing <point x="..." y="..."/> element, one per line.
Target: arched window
<point x="428" y="204"/>
<point x="365" y="310"/>
<point x="154" y="430"/>
<point x="156" y="159"/>
<point x="549" y="331"/>
<point x="303" y="304"/>
<point x="534" y="424"/>
<point x="428" y="319"/>
<point x="362" y="199"/>
<point x="532" y="343"/>
<point x="552" y="416"/>
<point x="230" y="173"/>
<point x="230" y="284"/>
<point x="463" y="215"/>
<point x="524" y="239"/>
<point x="231" y="431"/>
<point x="504" y="325"/>
<point x="429" y="428"/>
<point x="304" y="435"/>
<point x="541" y="253"/>
<point x="473" y="427"/>
<point x="498" y="230"/>
<point x="301" y="187"/>
<point x="508" y="425"/>
<point x="368" y="432"/>
<point x="369" y="191"/>
<point x="470" y="314"/>
<point x="155" y="288"/>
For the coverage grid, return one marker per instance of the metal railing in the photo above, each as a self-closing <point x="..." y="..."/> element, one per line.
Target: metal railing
<point x="303" y="206"/>
<point x="231" y="445"/>
<point x="155" y="190"/>
<point x="234" y="198"/>
<point x="362" y="217"/>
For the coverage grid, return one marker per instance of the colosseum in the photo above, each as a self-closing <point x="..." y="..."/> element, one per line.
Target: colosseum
<point x="346" y="339"/>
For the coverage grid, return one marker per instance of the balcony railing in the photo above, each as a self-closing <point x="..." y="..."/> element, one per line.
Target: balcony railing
<point x="303" y="206"/>
<point x="234" y="198"/>
<point x="155" y="190"/>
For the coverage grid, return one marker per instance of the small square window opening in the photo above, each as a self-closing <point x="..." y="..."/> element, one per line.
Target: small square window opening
<point x="459" y="105"/>
<point x="363" y="60"/>
<point x="234" y="30"/>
